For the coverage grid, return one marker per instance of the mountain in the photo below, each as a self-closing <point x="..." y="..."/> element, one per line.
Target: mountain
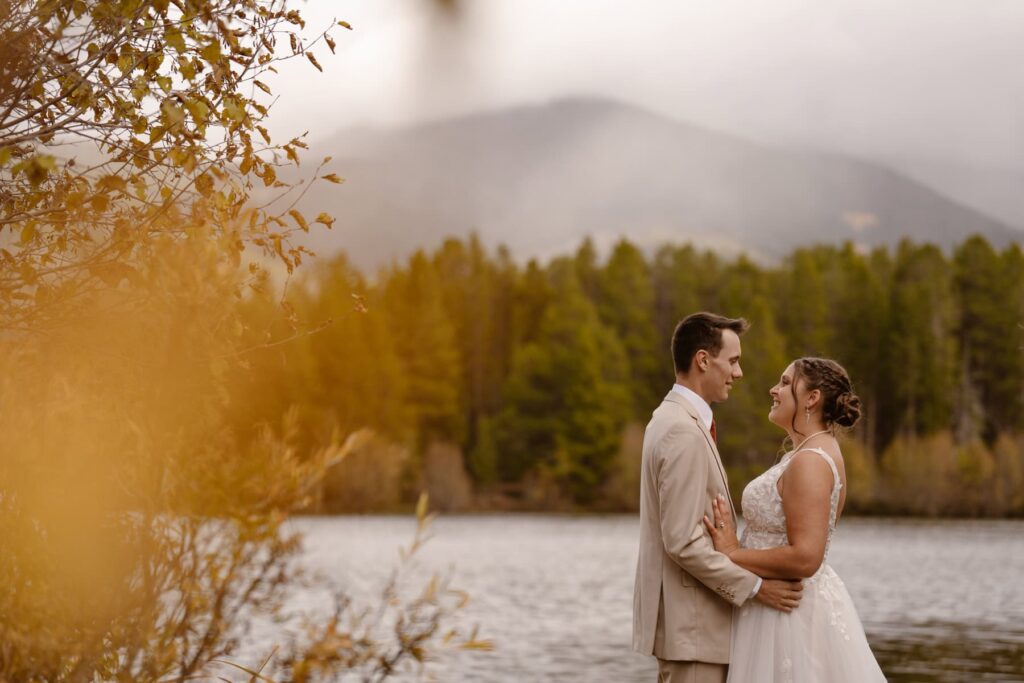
<point x="540" y="178"/>
<point x="993" y="190"/>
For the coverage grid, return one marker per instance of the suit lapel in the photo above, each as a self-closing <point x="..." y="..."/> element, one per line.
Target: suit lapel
<point x="673" y="397"/>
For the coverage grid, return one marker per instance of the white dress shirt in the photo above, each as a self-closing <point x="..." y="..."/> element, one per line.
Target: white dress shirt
<point x="707" y="417"/>
<point x="703" y="409"/>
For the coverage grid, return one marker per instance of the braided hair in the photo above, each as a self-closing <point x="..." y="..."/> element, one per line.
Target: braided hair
<point x="840" y="406"/>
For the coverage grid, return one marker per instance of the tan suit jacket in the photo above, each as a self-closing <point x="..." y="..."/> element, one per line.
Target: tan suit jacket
<point x="679" y="572"/>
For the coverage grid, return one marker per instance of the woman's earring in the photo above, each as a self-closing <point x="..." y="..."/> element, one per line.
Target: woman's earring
<point x="807" y="415"/>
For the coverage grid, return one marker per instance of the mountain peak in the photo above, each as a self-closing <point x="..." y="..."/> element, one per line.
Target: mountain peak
<point x="538" y="178"/>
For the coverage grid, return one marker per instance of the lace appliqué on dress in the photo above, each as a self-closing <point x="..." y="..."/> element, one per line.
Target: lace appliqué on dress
<point x="766" y="528"/>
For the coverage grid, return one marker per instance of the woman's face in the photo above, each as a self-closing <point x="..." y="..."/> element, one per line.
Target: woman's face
<point x="784" y="406"/>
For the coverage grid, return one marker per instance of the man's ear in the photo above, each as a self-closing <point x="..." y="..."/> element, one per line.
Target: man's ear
<point x="700" y="360"/>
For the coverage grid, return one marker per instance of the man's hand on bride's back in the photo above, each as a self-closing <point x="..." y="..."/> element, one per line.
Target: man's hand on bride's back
<point x="780" y="594"/>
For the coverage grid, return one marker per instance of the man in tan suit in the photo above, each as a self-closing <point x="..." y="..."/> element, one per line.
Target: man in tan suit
<point x="685" y="589"/>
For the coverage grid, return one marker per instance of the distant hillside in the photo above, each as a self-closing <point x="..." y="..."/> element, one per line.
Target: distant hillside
<point x="541" y="178"/>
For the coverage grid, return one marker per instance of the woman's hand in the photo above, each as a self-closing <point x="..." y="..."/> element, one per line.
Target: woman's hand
<point x="723" y="529"/>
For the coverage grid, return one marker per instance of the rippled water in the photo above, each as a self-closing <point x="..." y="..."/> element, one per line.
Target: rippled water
<point x="941" y="601"/>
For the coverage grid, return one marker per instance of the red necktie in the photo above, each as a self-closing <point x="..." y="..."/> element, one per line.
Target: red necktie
<point x="714" y="432"/>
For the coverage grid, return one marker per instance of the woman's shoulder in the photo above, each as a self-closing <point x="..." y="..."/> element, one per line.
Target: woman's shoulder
<point x="813" y="461"/>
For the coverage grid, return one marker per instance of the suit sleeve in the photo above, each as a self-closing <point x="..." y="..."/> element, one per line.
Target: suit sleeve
<point x="682" y="475"/>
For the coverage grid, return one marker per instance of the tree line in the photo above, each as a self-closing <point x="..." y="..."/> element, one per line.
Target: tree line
<point x="500" y="385"/>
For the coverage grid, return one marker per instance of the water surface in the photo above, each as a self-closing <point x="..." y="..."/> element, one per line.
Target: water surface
<point x="940" y="600"/>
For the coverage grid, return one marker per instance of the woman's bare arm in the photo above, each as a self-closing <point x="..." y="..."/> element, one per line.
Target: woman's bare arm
<point x="807" y="484"/>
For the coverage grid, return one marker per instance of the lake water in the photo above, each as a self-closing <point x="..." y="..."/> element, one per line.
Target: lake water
<point x="940" y="601"/>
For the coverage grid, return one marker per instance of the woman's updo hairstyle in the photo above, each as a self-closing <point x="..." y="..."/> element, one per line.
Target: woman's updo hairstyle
<point x="839" y="405"/>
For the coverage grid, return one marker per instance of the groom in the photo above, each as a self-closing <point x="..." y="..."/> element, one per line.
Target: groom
<point x="685" y="589"/>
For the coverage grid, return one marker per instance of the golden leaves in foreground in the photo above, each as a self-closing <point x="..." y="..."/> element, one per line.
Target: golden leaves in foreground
<point x="169" y="101"/>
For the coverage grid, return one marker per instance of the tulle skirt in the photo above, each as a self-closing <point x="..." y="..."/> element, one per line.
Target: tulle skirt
<point x="822" y="641"/>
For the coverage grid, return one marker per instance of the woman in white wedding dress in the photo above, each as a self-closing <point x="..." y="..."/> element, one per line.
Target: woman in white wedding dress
<point x="791" y="511"/>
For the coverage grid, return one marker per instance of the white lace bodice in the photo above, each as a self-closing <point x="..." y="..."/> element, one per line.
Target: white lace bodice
<point x="762" y="506"/>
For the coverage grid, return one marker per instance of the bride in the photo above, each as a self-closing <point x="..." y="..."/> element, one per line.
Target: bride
<point x="791" y="511"/>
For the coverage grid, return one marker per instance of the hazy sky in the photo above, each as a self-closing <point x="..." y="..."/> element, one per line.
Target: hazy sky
<point x="937" y="81"/>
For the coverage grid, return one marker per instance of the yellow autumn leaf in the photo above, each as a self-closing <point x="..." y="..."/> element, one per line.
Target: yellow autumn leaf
<point x="174" y="115"/>
<point x="211" y="53"/>
<point x="111" y="183"/>
<point x="299" y="218"/>
<point x="333" y="177"/>
<point x="28" y="233"/>
<point x="204" y="184"/>
<point x="175" y="39"/>
<point x="233" y="110"/>
<point x="326" y="219"/>
<point x="199" y="110"/>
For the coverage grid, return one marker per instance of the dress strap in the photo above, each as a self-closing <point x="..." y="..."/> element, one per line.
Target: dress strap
<point x="836" y="481"/>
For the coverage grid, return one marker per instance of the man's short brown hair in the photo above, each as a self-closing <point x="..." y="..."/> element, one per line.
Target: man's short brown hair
<point x="701" y="331"/>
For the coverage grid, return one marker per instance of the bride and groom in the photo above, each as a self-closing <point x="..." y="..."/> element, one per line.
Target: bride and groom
<point x="795" y="621"/>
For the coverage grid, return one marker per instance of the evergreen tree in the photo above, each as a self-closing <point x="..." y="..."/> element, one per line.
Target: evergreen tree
<point x="685" y="281"/>
<point x="1013" y="274"/>
<point x="676" y="275"/>
<point x="625" y="304"/>
<point x="804" y="317"/>
<point x="859" y="314"/>
<point x="746" y="438"/>
<point x="424" y="338"/>
<point x="532" y="296"/>
<point x="337" y="369"/>
<point x="587" y="269"/>
<point x="990" y="360"/>
<point x="921" y="358"/>
<point x="477" y="297"/>
<point x="567" y="398"/>
<point x="349" y="370"/>
<point x="483" y="458"/>
<point x="741" y="283"/>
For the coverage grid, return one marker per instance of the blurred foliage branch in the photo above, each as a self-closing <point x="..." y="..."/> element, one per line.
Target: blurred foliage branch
<point x="142" y="532"/>
<point x="351" y="641"/>
<point x="121" y="121"/>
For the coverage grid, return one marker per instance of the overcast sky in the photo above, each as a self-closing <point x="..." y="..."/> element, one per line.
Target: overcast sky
<point x="938" y="81"/>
